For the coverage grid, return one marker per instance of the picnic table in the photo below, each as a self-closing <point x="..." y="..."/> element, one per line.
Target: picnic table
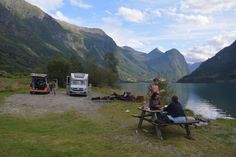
<point x="151" y="116"/>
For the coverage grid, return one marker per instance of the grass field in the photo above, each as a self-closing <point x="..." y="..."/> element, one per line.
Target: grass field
<point x="111" y="132"/>
<point x="13" y="85"/>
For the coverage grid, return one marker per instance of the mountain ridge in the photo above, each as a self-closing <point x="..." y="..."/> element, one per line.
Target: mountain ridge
<point x="28" y="37"/>
<point x="219" y="68"/>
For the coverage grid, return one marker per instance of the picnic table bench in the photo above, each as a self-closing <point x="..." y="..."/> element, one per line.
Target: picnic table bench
<point x="151" y="117"/>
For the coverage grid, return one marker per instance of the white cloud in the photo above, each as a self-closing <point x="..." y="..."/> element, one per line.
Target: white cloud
<point x="131" y="15"/>
<point x="60" y="16"/>
<point x="157" y="13"/>
<point x="80" y="4"/>
<point x="192" y="19"/>
<point x="168" y="11"/>
<point x="185" y="18"/>
<point x="209" y="6"/>
<point x="210" y="48"/>
<point x="152" y="12"/>
<point x="122" y="36"/>
<point x="47" y="5"/>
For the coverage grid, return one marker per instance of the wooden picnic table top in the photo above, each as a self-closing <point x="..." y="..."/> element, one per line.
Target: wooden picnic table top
<point x="149" y="110"/>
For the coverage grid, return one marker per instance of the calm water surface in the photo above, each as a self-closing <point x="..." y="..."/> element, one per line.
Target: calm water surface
<point x="210" y="100"/>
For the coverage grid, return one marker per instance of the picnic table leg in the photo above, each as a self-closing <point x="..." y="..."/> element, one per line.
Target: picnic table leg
<point x="141" y="120"/>
<point x="188" y="133"/>
<point x="157" y="128"/>
<point x="158" y="132"/>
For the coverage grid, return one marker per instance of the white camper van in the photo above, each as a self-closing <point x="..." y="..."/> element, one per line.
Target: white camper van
<point x="77" y="84"/>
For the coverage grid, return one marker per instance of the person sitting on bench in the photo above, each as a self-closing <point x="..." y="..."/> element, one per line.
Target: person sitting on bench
<point x="175" y="111"/>
<point x="155" y="102"/>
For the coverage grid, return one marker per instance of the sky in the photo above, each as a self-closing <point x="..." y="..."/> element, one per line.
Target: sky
<point x="197" y="28"/>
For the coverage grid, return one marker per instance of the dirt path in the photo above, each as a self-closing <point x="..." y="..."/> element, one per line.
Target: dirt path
<point x="39" y="104"/>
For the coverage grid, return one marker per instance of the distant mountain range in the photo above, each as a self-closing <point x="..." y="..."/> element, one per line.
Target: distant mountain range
<point x="220" y="68"/>
<point x="28" y="37"/>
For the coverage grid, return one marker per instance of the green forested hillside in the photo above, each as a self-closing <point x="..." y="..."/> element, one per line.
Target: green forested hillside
<point x="29" y="37"/>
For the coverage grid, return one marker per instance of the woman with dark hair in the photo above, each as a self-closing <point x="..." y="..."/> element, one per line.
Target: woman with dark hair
<point x="155" y="102"/>
<point x="175" y="111"/>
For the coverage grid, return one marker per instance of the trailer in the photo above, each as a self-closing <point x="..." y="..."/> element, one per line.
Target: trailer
<point x="39" y="84"/>
<point x="77" y="84"/>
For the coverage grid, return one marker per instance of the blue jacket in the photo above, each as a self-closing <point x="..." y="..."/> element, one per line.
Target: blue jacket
<point x="175" y="110"/>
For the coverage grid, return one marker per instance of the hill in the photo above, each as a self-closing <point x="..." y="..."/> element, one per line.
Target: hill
<point x="220" y="68"/>
<point x="29" y="37"/>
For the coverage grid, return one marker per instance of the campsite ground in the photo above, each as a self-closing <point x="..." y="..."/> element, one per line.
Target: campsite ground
<point x="47" y="125"/>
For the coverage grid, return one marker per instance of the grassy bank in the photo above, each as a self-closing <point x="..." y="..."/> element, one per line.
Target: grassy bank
<point x="110" y="132"/>
<point x="12" y="85"/>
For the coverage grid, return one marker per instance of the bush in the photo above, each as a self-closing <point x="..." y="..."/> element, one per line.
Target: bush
<point x="106" y="75"/>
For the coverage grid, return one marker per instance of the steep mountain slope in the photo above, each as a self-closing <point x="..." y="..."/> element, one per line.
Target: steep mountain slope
<point x="171" y="65"/>
<point x="221" y="67"/>
<point x="28" y="37"/>
<point x="131" y="65"/>
<point x="155" y="53"/>
<point x="90" y="43"/>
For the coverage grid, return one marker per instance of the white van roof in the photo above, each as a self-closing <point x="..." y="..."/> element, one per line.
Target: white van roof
<point x="79" y="76"/>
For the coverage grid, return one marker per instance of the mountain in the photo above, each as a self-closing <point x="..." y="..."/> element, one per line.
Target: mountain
<point x="28" y="37"/>
<point x="220" y="68"/>
<point x="90" y="43"/>
<point x="171" y="65"/>
<point x="155" y="53"/>
<point x="193" y="66"/>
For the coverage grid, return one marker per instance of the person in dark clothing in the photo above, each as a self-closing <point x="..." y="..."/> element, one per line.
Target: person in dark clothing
<point x="175" y="111"/>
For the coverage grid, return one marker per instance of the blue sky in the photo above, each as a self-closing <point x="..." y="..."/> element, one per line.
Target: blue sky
<point x="197" y="28"/>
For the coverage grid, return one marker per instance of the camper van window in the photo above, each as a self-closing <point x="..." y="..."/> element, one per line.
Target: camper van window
<point x="77" y="82"/>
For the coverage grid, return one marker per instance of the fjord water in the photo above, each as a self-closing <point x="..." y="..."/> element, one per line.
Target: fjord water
<point x="214" y="100"/>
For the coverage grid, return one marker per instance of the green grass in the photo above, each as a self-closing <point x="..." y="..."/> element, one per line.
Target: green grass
<point x="106" y="90"/>
<point x="109" y="132"/>
<point x="218" y="139"/>
<point x="13" y="85"/>
<point x="67" y="134"/>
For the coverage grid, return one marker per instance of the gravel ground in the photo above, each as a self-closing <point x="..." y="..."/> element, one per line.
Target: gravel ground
<point x="39" y="104"/>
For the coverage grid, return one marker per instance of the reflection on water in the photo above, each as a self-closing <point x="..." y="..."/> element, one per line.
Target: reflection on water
<point x="210" y="100"/>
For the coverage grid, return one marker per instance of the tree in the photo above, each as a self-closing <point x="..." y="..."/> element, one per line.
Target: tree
<point x="58" y="68"/>
<point x="111" y="62"/>
<point x="111" y="71"/>
<point x="96" y="74"/>
<point x="76" y="63"/>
